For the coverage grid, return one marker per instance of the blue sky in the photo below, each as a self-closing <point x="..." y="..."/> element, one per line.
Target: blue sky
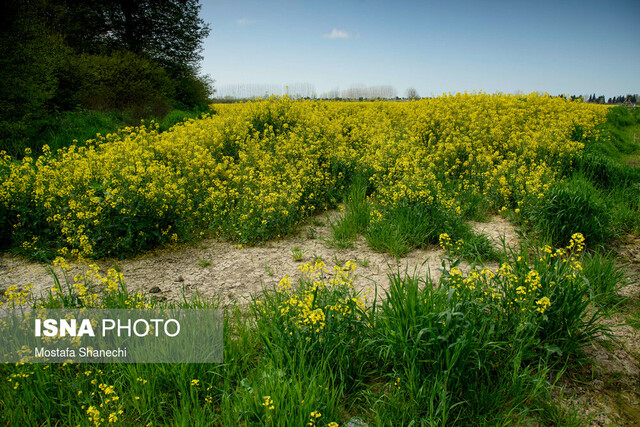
<point x="575" y="47"/>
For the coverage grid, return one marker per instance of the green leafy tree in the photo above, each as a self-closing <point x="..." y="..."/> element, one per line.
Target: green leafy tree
<point x="29" y="56"/>
<point x="169" y="32"/>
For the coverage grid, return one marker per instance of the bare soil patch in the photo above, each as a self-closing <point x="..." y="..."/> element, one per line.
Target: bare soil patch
<point x="232" y="272"/>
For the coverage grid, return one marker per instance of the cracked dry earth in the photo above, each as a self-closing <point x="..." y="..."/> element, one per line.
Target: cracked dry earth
<point x="606" y="393"/>
<point x="223" y="269"/>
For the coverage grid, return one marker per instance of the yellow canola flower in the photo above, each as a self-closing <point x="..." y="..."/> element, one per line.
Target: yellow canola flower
<point x="543" y="303"/>
<point x="253" y="171"/>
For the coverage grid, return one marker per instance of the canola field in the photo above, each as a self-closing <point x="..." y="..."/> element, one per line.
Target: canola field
<point x="476" y="346"/>
<point x="253" y="171"/>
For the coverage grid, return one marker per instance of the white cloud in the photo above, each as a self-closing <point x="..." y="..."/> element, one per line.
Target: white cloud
<point x="337" y="34"/>
<point x="243" y="22"/>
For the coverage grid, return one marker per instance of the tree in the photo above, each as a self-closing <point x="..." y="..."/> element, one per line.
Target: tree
<point x="412" y="93"/>
<point x="29" y="56"/>
<point x="170" y="32"/>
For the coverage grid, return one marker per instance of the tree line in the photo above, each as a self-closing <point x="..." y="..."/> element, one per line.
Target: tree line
<point x="633" y="99"/>
<point x="138" y="56"/>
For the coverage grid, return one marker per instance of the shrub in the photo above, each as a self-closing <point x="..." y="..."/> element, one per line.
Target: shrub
<point x="192" y="91"/>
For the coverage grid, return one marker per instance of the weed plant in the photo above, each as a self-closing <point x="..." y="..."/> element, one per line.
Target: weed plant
<point x="606" y="277"/>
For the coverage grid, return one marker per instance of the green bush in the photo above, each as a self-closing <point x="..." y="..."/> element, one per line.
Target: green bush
<point x="30" y="54"/>
<point x="192" y="91"/>
<point x="467" y="348"/>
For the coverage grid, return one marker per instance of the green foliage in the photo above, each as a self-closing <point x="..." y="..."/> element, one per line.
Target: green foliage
<point x="120" y="81"/>
<point x="621" y="117"/>
<point x="474" y="348"/>
<point x="192" y="91"/>
<point x="605" y="172"/>
<point x="29" y="56"/>
<point x="177" y="116"/>
<point x="138" y="58"/>
<point x="315" y="320"/>
<point x="297" y="253"/>
<point x="605" y="277"/>
<point x="574" y="206"/>
<point x="169" y="32"/>
<point x="403" y="228"/>
<point x="355" y="218"/>
<point x="476" y="248"/>
<point x="600" y="165"/>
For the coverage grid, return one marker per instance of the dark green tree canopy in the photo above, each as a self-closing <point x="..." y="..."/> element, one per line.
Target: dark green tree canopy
<point x="170" y="32"/>
<point x="135" y="56"/>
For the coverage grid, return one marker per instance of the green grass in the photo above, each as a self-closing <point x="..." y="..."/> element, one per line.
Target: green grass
<point x="600" y="196"/>
<point x="606" y="277"/>
<point x="355" y="219"/>
<point x="67" y="128"/>
<point x="268" y="269"/>
<point x="76" y="127"/>
<point x="204" y="263"/>
<point x="467" y="349"/>
<point x="573" y="206"/>
<point x="297" y="253"/>
<point x="405" y="228"/>
<point x="478" y="347"/>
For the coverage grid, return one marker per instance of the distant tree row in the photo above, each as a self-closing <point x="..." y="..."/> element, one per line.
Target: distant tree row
<point x="259" y="90"/>
<point x="140" y="56"/>
<point x="633" y="99"/>
<point x="305" y="91"/>
<point x="600" y="99"/>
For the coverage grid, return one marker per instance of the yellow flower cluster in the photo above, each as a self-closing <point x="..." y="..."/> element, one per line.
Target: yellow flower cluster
<point x="315" y="416"/>
<point x="518" y="286"/>
<point x="319" y="295"/>
<point x="92" y="289"/>
<point x="449" y="245"/>
<point x="109" y="407"/>
<point x="268" y="403"/>
<point x="253" y="171"/>
<point x="15" y="296"/>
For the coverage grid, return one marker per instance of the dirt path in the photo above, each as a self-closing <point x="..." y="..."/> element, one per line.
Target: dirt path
<point x="232" y="272"/>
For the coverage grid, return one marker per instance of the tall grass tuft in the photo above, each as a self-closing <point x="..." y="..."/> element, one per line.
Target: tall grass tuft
<point x="573" y="206"/>
<point x="355" y="218"/>
<point x="605" y="277"/>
